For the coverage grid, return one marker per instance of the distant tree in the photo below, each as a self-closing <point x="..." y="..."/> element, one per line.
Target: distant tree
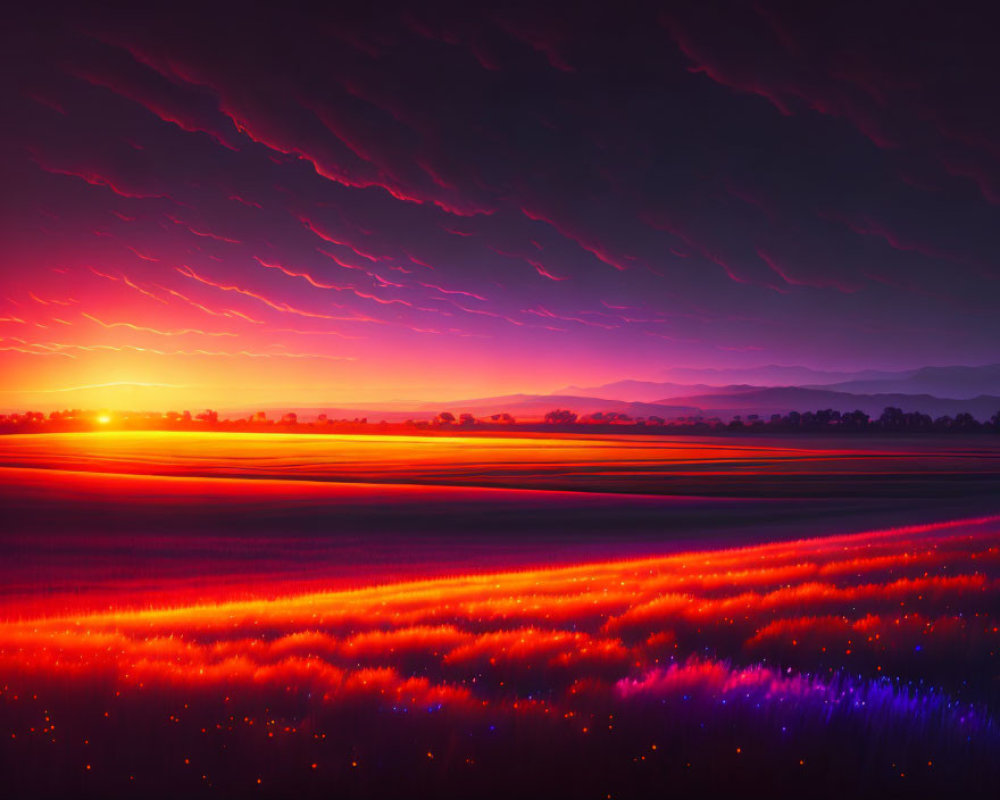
<point x="855" y="420"/>
<point x="209" y="416"/>
<point x="260" y="416"/>
<point x="560" y="416"/>
<point x="605" y="418"/>
<point x="827" y="417"/>
<point x="965" y="422"/>
<point x="291" y="418"/>
<point x="502" y="419"/>
<point x="915" y="421"/>
<point x="445" y="418"/>
<point x="892" y="419"/>
<point x="466" y="420"/>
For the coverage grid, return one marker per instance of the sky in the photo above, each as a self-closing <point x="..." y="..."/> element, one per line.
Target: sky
<point x="218" y="206"/>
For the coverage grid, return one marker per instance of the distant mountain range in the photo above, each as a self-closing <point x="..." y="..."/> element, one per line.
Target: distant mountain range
<point x="650" y="391"/>
<point x="936" y="391"/>
<point x="956" y="382"/>
<point x="520" y="406"/>
<point x="961" y="382"/>
<point x="782" y="400"/>
<point x="771" y="375"/>
<point x="725" y="403"/>
<point x="538" y="405"/>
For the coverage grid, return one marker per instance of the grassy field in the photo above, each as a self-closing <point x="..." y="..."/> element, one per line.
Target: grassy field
<point x="210" y="615"/>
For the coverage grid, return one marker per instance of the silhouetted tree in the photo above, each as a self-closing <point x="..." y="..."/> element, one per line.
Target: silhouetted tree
<point x="855" y="420"/>
<point x="892" y="419"/>
<point x="965" y="422"/>
<point x="605" y="418"/>
<point x="827" y="417"/>
<point x="560" y="416"/>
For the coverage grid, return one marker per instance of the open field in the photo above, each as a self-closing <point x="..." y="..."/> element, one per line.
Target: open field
<point x="780" y="466"/>
<point x="213" y="615"/>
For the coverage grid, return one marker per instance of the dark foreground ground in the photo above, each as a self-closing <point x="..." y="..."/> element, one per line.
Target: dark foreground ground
<point x="268" y="618"/>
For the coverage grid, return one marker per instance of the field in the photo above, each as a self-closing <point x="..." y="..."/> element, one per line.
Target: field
<point x="260" y="615"/>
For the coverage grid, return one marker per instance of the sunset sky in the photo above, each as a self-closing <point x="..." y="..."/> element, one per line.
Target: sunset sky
<point x="216" y="207"/>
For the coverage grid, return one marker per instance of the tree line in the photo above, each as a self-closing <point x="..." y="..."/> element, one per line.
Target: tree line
<point x="892" y="420"/>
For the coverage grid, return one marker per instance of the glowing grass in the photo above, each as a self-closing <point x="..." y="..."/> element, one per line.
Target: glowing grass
<point x="853" y="662"/>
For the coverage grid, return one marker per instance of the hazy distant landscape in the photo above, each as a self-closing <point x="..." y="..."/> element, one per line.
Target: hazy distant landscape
<point x="763" y="391"/>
